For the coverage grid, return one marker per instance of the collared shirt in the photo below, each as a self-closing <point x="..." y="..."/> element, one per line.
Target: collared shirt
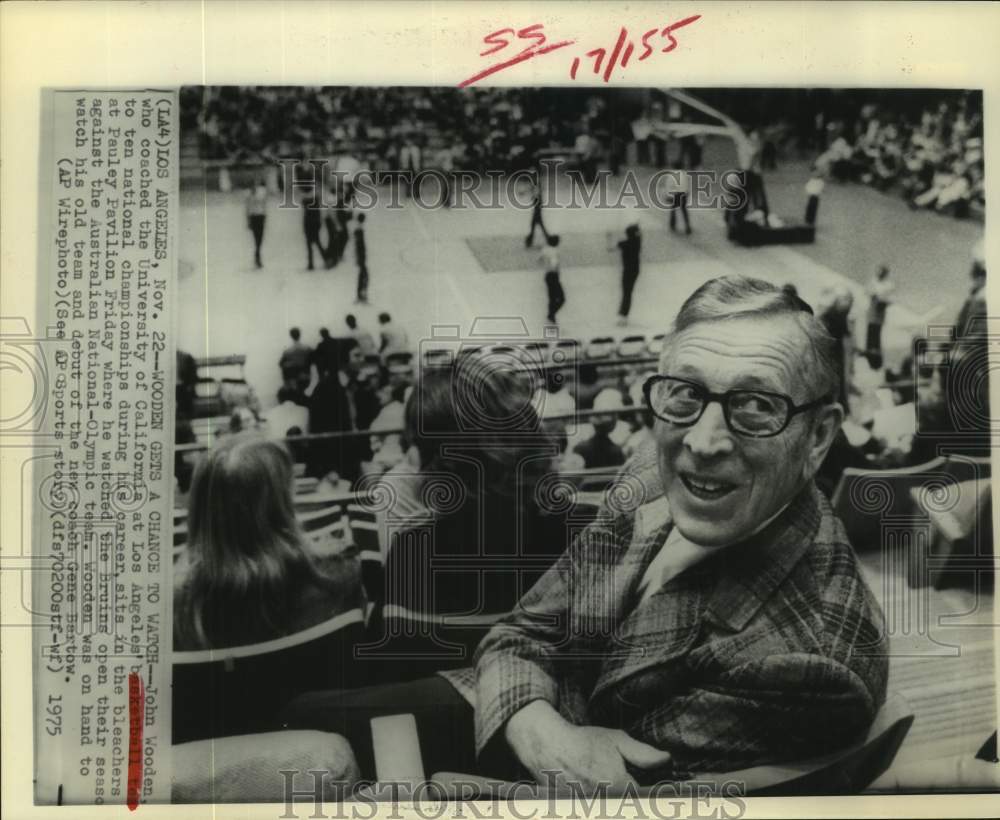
<point x="677" y="553"/>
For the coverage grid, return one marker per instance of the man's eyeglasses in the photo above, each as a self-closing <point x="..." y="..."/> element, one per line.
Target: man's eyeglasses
<point x="752" y="413"/>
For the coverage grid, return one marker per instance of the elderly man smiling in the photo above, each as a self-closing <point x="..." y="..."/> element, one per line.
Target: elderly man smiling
<point x="722" y="623"/>
<point x="714" y="619"/>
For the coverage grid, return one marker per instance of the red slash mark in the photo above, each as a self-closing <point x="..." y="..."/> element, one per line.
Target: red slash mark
<point x="498" y="39"/>
<point x="136" y="707"/>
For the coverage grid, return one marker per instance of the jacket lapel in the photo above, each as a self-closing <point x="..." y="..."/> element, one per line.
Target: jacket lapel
<point x="735" y="583"/>
<point x="666" y="625"/>
<point x="749" y="573"/>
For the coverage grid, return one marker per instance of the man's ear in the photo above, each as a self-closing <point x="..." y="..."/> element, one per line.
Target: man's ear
<point x="826" y="425"/>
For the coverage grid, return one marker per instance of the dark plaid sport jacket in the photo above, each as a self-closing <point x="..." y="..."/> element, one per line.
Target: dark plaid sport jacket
<point x="774" y="650"/>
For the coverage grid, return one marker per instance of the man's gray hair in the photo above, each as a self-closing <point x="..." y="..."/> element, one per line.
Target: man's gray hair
<point x="731" y="297"/>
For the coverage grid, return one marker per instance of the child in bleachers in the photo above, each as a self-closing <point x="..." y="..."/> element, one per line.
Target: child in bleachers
<point x="249" y="574"/>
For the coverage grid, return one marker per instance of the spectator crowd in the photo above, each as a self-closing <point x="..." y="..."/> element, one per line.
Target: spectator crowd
<point x="934" y="160"/>
<point x="395" y="128"/>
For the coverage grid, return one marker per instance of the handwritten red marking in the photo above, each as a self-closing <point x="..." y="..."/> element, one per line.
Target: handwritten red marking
<point x="498" y="40"/>
<point x="499" y="45"/>
<point x="533" y="32"/>
<point x="673" y="27"/>
<point x="628" y="53"/>
<point x="599" y="54"/>
<point x="645" y="44"/>
<point x="619" y="55"/>
<point x="136" y="717"/>
<point x="614" y="54"/>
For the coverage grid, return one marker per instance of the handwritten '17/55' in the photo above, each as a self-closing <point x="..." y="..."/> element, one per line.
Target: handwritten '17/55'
<point x="536" y="44"/>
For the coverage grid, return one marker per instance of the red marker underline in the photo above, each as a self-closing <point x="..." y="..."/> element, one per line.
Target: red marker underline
<point x="520" y="58"/>
<point x="136" y="704"/>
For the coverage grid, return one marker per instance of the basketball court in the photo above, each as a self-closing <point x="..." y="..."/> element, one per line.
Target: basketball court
<point x="432" y="267"/>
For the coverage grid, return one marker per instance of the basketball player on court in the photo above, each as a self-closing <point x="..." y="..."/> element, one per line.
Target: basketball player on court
<point x="536" y="214"/>
<point x="550" y="260"/>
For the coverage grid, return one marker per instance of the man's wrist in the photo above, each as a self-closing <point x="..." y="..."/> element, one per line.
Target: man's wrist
<point x="532" y="720"/>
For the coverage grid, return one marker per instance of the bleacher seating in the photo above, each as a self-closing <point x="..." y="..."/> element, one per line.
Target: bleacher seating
<point x="241" y="690"/>
<point x="403" y="644"/>
<point x="848" y="771"/>
<point x="627" y="348"/>
<point x="865" y="500"/>
<point x="907" y="513"/>
<point x="631" y="347"/>
<point x="600" y="347"/>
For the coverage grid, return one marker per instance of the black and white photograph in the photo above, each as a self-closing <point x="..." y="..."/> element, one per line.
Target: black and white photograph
<point x="578" y="440"/>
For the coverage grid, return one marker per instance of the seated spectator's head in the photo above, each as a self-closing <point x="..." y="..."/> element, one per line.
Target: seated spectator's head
<point x="295" y="334"/>
<point x="554" y="240"/>
<point x="355" y="360"/>
<point x="324" y="333"/>
<point x="243" y="540"/>
<point x="485" y="410"/>
<point x="352" y="322"/>
<point x="746" y="407"/>
<point x="555" y="379"/>
<point x="384" y="318"/>
<point x="608" y="399"/>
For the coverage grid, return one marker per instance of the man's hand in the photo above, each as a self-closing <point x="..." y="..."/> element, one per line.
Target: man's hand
<point x="583" y="756"/>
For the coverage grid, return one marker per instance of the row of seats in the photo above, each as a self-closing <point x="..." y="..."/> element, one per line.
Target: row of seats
<point x="935" y="519"/>
<point x="242" y="690"/>
<point x="332" y="516"/>
<point x="555" y="352"/>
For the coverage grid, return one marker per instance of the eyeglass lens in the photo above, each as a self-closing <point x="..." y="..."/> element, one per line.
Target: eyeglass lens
<point x="747" y="411"/>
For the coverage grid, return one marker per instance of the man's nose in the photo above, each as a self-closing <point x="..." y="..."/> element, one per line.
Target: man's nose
<point x="710" y="435"/>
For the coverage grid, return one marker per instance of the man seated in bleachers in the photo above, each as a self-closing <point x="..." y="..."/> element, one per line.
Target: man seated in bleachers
<point x="288" y="413"/>
<point x="715" y="619"/>
<point x="295" y="360"/>
<point x="393" y="337"/>
<point x="600" y="450"/>
<point x="555" y="399"/>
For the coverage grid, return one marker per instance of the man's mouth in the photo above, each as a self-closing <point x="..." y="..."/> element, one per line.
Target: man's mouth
<point x="707" y="489"/>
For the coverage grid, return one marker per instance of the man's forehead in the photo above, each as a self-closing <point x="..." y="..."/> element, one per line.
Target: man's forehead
<point x="746" y="348"/>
